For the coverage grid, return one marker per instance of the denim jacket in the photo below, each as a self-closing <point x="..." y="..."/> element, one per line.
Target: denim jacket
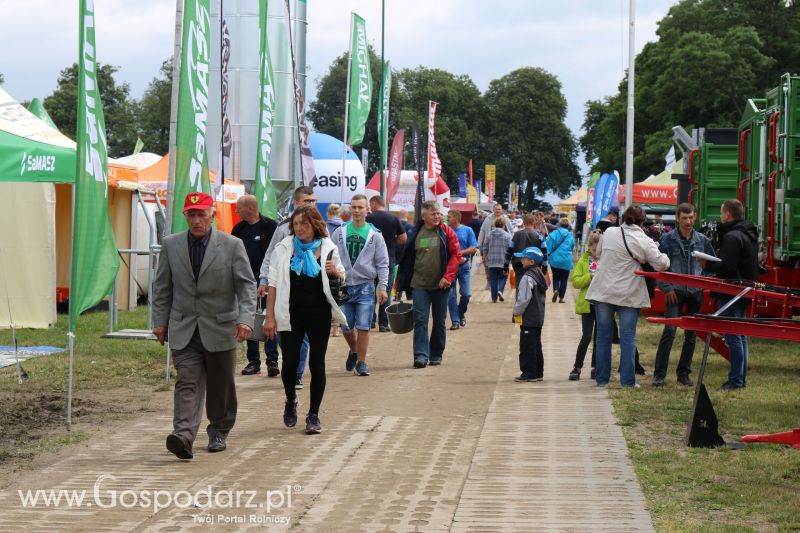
<point x="680" y="263"/>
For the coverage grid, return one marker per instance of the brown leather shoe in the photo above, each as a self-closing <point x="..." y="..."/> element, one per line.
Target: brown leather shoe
<point x="178" y="446"/>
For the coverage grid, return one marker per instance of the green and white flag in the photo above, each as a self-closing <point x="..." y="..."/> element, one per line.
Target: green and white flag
<point x="95" y="260"/>
<point x="264" y="190"/>
<point x="191" y="160"/>
<point x="360" y="83"/>
<point x="139" y="146"/>
<point x="383" y="113"/>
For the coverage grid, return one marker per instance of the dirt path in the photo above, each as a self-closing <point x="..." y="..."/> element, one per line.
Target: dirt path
<point x="401" y="450"/>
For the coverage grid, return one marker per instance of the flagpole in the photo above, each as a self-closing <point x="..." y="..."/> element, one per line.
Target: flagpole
<point x="346" y="109"/>
<point x="427" y="146"/>
<point x="629" y="128"/>
<point x="383" y="80"/>
<point x="173" y="115"/>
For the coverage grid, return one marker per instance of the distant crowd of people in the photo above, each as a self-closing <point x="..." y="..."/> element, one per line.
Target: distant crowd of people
<point x="312" y="277"/>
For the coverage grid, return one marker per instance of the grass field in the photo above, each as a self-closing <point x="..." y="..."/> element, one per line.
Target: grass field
<point x="752" y="489"/>
<point x="112" y="379"/>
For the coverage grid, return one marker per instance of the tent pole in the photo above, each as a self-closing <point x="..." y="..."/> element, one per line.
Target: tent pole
<point x="71" y="337"/>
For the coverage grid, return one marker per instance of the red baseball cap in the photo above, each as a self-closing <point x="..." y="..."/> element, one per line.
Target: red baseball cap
<point x="197" y="200"/>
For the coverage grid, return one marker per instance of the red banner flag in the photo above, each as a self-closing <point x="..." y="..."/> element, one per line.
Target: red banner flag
<point x="434" y="163"/>
<point x="470" y="171"/>
<point x="395" y="165"/>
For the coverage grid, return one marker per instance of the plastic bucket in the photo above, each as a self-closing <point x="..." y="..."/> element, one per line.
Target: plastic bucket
<point x="401" y="317"/>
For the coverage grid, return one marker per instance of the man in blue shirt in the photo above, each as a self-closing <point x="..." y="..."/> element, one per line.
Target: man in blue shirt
<point x="469" y="245"/>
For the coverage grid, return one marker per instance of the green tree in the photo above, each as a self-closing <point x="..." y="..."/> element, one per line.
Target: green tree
<point x="118" y="109"/>
<point x="2" y="79"/>
<point x="326" y="113"/>
<point x="711" y="56"/>
<point x="460" y="116"/>
<point x="153" y="111"/>
<point x="527" y="137"/>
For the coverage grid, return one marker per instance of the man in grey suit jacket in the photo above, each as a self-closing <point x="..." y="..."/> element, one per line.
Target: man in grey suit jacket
<point x="204" y="300"/>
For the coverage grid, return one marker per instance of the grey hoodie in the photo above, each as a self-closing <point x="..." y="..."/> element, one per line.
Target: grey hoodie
<point x="372" y="262"/>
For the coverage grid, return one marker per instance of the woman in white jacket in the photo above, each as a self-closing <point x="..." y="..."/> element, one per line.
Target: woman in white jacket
<point x="616" y="288"/>
<point x="300" y="303"/>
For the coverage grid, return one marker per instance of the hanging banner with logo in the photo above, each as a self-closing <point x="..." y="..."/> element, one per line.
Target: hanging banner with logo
<point x="512" y="196"/>
<point x="434" y="163"/>
<point x="490" y="172"/>
<point x="191" y="159"/>
<point x="264" y="189"/>
<point x="420" y="195"/>
<point x="470" y="171"/>
<point x="95" y="260"/>
<point x="472" y="194"/>
<point x="360" y="83"/>
<point x="462" y="185"/>
<point x="225" y="145"/>
<point x="395" y="165"/>
<point x="478" y="185"/>
<point x="605" y="190"/>
<point x="306" y="157"/>
<point x="383" y="113"/>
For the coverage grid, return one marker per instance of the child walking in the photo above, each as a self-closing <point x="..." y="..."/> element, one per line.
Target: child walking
<point x="581" y="278"/>
<point x="529" y="314"/>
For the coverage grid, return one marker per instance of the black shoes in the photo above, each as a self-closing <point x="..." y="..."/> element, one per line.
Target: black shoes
<point x="272" y="369"/>
<point x="500" y="296"/>
<point x="463" y="322"/>
<point x="523" y="378"/>
<point x="685" y="380"/>
<point x="575" y="375"/>
<point x="727" y="386"/>
<point x="658" y="381"/>
<point x="178" y="446"/>
<point x="554" y="298"/>
<point x="420" y="363"/>
<point x="455" y="326"/>
<point x="299" y="383"/>
<point x="290" y="413"/>
<point x="384" y="329"/>
<point x="313" y="426"/>
<point x="251" y="369"/>
<point x="216" y="444"/>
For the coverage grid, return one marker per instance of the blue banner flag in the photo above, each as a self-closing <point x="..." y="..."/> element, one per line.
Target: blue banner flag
<point x="605" y="190"/>
<point x="462" y="185"/>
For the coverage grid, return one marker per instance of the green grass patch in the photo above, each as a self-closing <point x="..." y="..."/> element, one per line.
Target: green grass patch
<point x="753" y="489"/>
<point x="111" y="379"/>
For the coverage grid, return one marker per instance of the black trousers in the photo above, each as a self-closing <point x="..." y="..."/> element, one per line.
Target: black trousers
<point x="531" y="358"/>
<point x="316" y="323"/>
<point x="692" y="303"/>
<point x="588" y="335"/>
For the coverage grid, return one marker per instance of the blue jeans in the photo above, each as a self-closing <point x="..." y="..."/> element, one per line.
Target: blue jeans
<point x="497" y="281"/>
<point x="425" y="302"/>
<point x="458" y="309"/>
<point x="737" y="344"/>
<point x="383" y="320"/>
<point x="360" y="308"/>
<point x="604" y="315"/>
<point x="560" y="281"/>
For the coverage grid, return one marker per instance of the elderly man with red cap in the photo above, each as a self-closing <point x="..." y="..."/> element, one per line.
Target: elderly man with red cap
<point x="204" y="300"/>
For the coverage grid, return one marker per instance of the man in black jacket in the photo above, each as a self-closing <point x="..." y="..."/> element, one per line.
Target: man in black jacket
<point x="256" y="231"/>
<point x="738" y="255"/>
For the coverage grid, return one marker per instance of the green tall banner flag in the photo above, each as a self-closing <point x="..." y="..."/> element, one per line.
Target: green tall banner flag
<point x="264" y="190"/>
<point x="360" y="83"/>
<point x="95" y="260"/>
<point x="383" y="113"/>
<point x="191" y="160"/>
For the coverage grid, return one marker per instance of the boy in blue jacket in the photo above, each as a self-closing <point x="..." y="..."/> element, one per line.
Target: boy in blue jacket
<point x="529" y="314"/>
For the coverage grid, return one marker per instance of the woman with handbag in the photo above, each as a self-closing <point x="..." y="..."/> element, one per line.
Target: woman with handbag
<point x="616" y="288"/>
<point x="559" y="255"/>
<point x="300" y="303"/>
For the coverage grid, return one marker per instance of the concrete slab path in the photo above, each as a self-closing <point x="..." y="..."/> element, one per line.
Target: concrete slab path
<point x="461" y="447"/>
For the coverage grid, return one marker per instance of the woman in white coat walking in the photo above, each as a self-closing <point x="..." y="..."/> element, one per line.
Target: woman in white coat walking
<point x="617" y="289"/>
<point x="300" y="303"/>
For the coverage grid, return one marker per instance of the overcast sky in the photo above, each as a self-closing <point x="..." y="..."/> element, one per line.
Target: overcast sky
<point x="582" y="42"/>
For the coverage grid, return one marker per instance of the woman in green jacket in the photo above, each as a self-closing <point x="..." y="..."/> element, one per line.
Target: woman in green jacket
<point x="581" y="278"/>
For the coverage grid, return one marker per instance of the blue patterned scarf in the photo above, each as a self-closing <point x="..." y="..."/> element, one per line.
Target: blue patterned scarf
<point x="303" y="260"/>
